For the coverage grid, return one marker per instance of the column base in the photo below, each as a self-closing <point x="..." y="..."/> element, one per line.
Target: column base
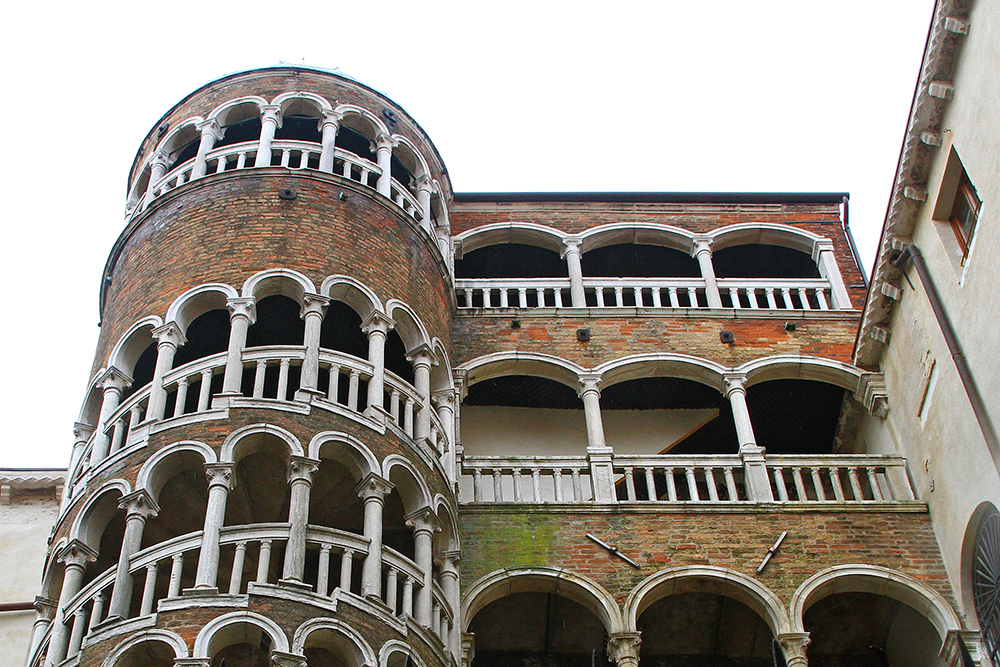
<point x="378" y="414"/>
<point x="201" y="591"/>
<point x="295" y="584"/>
<point x="307" y="395"/>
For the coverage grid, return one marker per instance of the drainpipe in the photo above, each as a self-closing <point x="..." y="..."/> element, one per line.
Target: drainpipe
<point x="961" y="365"/>
<point x="850" y="240"/>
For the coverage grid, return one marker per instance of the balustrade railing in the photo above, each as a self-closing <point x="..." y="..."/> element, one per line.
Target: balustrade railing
<point x="776" y="294"/>
<point x="513" y="293"/>
<point x="707" y="479"/>
<point x="839" y="479"/>
<point x="645" y="292"/>
<point x="555" y="479"/>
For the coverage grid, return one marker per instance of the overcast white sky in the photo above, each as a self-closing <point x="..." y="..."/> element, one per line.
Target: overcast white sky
<point x="517" y="96"/>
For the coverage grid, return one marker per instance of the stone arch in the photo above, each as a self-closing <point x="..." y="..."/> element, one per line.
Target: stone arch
<point x="710" y="579"/>
<point x="352" y="111"/>
<point x="447" y="539"/>
<point x="221" y="112"/>
<point x="215" y="632"/>
<point x="90" y="409"/>
<point x="354" y="293"/>
<point x="171" y="639"/>
<point x="408" y="324"/>
<point x="442" y="377"/>
<point x="180" y="135"/>
<point x="286" y="282"/>
<point x="198" y="300"/>
<point x="795" y="367"/>
<point x="93" y="517"/>
<point x="877" y="580"/>
<point x="578" y="588"/>
<point x="350" y="640"/>
<point x="396" y="646"/>
<point x="351" y="452"/>
<point x="658" y="364"/>
<point x="232" y="445"/>
<point x="52" y="574"/>
<point x="133" y="343"/>
<point x="522" y="363"/>
<point x="766" y="233"/>
<point x="638" y="233"/>
<point x="160" y="466"/>
<point x="410" y="484"/>
<point x="417" y="164"/>
<point x="527" y="233"/>
<point x="286" y="99"/>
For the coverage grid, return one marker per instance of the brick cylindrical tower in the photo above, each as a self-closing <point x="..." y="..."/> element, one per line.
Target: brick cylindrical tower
<point x="263" y="469"/>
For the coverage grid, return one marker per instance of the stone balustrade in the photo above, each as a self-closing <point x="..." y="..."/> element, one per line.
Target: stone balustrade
<point x="489" y="479"/>
<point x="777" y="294"/>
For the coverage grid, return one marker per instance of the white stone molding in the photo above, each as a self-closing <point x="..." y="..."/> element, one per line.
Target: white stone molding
<point x="423" y="170"/>
<point x="623" y="648"/>
<point x="414" y="493"/>
<point x="769" y="233"/>
<point x="880" y="581"/>
<point x="797" y="367"/>
<point x="543" y="579"/>
<point x="169" y="142"/>
<point x="150" y="477"/>
<point x="528" y="233"/>
<point x="354" y="110"/>
<point x="221" y="111"/>
<point x="447" y="515"/>
<point x="216" y="630"/>
<point x="708" y="579"/>
<point x="81" y="523"/>
<point x="397" y="646"/>
<point x="359" y="459"/>
<point x="260" y="283"/>
<point x="665" y="364"/>
<point x="171" y="639"/>
<point x="408" y="325"/>
<point x="123" y="357"/>
<point x="353" y="292"/>
<point x="226" y="455"/>
<point x="351" y="642"/>
<point x="283" y="100"/>
<point x="198" y="300"/>
<point x="499" y="364"/>
<point x="638" y="232"/>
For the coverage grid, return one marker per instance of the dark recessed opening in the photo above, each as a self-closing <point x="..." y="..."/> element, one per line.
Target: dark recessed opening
<point x="511" y="260"/>
<point x="756" y="260"/>
<point x="635" y="260"/>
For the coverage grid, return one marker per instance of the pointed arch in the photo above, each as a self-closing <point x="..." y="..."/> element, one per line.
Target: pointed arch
<point x="796" y="367"/>
<point x="354" y="293"/>
<point x="214" y="632"/>
<point x="353" y="453"/>
<point x="286" y="282"/>
<point x="231" y="447"/>
<point x="198" y="300"/>
<point x="659" y="364"/>
<point x="352" y="643"/>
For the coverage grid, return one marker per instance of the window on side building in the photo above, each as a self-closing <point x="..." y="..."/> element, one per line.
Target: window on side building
<point x="965" y="212"/>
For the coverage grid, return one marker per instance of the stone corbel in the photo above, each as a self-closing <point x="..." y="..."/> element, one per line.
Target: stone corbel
<point x="873" y="394"/>
<point x="951" y="649"/>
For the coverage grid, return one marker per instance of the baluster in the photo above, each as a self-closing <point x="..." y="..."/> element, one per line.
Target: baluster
<point x="800" y="487"/>
<point x="180" y="180"/>
<point x="536" y="485"/>
<point x="619" y="296"/>
<point x="241" y="160"/>
<point x="487" y="297"/>
<point x="407" y="595"/>
<point x="769" y="294"/>
<point x="205" y="390"/>
<point x="599" y="292"/>
<point x="176" y="568"/>
<point x="693" y="297"/>
<point x="838" y="489"/>
<point x="148" y="590"/>
<point x="786" y="297"/>
<point x="323" y="571"/>
<point x="352" y="389"/>
<point x="876" y="489"/>
<point x="692" y="483"/>
<point x="675" y="301"/>
<point x="629" y="485"/>
<point x="752" y="298"/>
<point x="258" y="379"/>
<point x="734" y="295"/>
<point x="333" y="391"/>
<point x="346" y="565"/>
<point x="504" y="298"/>
<point x="804" y="297"/>
<point x="221" y="164"/>
<point x="637" y="293"/>
<point x="557" y="293"/>
<point x="346" y="169"/>
<point x="852" y="473"/>
<point x="650" y="484"/>
<point x="263" y="561"/>
<point x="731" y="492"/>
<point x="540" y="293"/>
<point x="671" y="485"/>
<point x="97" y="615"/>
<point x="468" y="297"/>
<point x="477" y="485"/>
<point x="713" y="493"/>
<point x="117" y="435"/>
<point x="283" y="379"/>
<point x="134" y="417"/>
<point x="363" y="175"/>
<point x="181" y="398"/>
<point x="391" y="588"/>
<point x="286" y="157"/>
<point x="517" y="484"/>
<point x="779" y="482"/>
<point x="303" y="159"/>
<point x="657" y="303"/>
<point x="436" y="617"/>
<point x="557" y="483"/>
<point x="408" y="417"/>
<point x="522" y="297"/>
<point x="394" y="406"/>
<point x="821" y="298"/>
<point x="76" y="635"/>
<point x="818" y="484"/>
<point x="497" y="485"/>
<point x="577" y="486"/>
<point x="236" y="576"/>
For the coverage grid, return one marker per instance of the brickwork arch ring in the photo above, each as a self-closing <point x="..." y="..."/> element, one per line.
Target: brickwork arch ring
<point x="707" y="579"/>
<point x="558" y="581"/>
<point x="880" y="581"/>
<point x="172" y="640"/>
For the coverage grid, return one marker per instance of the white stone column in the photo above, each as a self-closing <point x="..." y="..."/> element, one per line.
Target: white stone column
<point x="571" y="253"/>
<point x="220" y="481"/>
<point x="754" y="465"/>
<point x="168" y="338"/>
<point x="377" y="327"/>
<point x="111" y="383"/>
<point x="385" y="145"/>
<point x="138" y="507"/>
<point x="826" y="261"/>
<point x="424" y="525"/>
<point x="422" y="359"/>
<point x="598" y="453"/>
<point x="329" y="126"/>
<point x="81" y="434"/>
<point x="445" y="402"/>
<point x="300" y="476"/>
<point x="452" y="593"/>
<point x="373" y="490"/>
<point x="243" y="313"/>
<point x="75" y="557"/>
<point x="45" y="611"/>
<point x="424" y="186"/>
<point x="703" y="253"/>
<point x="623" y="648"/>
<point x="157" y="168"/>
<point x="313" y="308"/>
<point x="210" y="133"/>
<point x="270" y="121"/>
<point x="794" y="645"/>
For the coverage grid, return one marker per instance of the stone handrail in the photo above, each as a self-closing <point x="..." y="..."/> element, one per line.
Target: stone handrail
<point x="680" y="478"/>
<point x="553" y="479"/>
<point x="777" y="293"/>
<point x="513" y="292"/>
<point x="857" y="478"/>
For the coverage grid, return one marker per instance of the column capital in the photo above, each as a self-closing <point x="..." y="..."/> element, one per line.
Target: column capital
<point x="76" y="553"/>
<point x="139" y="503"/>
<point x="210" y="126"/>
<point x="422" y="354"/>
<point x="623" y="648"/>
<point x="461" y="379"/>
<point x="282" y="659"/>
<point x="169" y="334"/>
<point x="45" y="607"/>
<point x="302" y="468"/>
<point x="793" y="645"/>
<point x="423" y="521"/>
<point x="820" y="246"/>
<point x="220" y="474"/>
<point x="735" y="383"/>
<point x="242" y="306"/>
<point x="313" y="303"/>
<point x="424" y="182"/>
<point x="112" y="378"/>
<point x="589" y="382"/>
<point x="271" y="112"/>
<point x="701" y="244"/>
<point x="570" y="246"/>
<point x="449" y="560"/>
<point x="160" y="159"/>
<point x="384" y="140"/>
<point x="82" y="432"/>
<point x="444" y="398"/>
<point x="374" y="486"/>
<point x="192" y="662"/>
<point x="468" y="648"/>
<point x="378" y="322"/>
<point x="331" y="118"/>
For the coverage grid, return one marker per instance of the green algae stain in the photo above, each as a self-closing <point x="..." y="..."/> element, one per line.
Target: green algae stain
<point x="513" y="541"/>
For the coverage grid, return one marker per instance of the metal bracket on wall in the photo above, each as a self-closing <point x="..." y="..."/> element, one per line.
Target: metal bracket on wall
<point x="770" y="552"/>
<point x="614" y="551"/>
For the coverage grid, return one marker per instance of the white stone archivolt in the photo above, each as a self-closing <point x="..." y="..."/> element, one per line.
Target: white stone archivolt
<point x="522" y="363"/>
<point x="287" y="282"/>
<point x="637" y="232"/>
<point x="527" y="233"/>
<point x="395" y="653"/>
<point x="230" y="629"/>
<point x="785" y="367"/>
<point x="199" y="300"/>
<point x="410" y="484"/>
<point x="92" y="518"/>
<point x="408" y="324"/>
<point x="153" y="635"/>
<point x="767" y="233"/>
<point x="162" y="465"/>
<point x="662" y="365"/>
<point x="354" y="293"/>
<point x="233" y="447"/>
<point x="346" y="449"/>
<point x="707" y="579"/>
<point x="133" y="343"/>
<point x="336" y="636"/>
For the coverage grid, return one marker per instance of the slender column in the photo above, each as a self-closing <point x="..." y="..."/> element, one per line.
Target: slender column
<point x="138" y="507"/>
<point x="373" y="489"/>
<point x="220" y="481"/>
<point x="111" y="383"/>
<point x="313" y="308"/>
<point x="243" y="313"/>
<point x="157" y="168"/>
<point x="176" y="571"/>
<point x="168" y="339"/>
<point x="269" y="122"/>
<point x="329" y="125"/>
<point x="601" y="468"/>
<point x="81" y="434"/>
<point x="76" y="635"/>
<point x="445" y="402"/>
<point x="45" y="611"/>
<point x="385" y="145"/>
<point x="826" y="261"/>
<point x="210" y="133"/>
<point x="450" y="586"/>
<point x="424" y="201"/>
<point x="346" y="570"/>
<point x="75" y="557"/>
<point x="422" y="359"/>
<point x="323" y="575"/>
<point x="737" y="394"/>
<point x="703" y="253"/>
<point x="424" y="525"/>
<point x="754" y="465"/>
<point x="377" y="327"/>
<point x="149" y="589"/>
<point x="623" y="648"/>
<point x="571" y="253"/>
<point x="793" y="645"/>
<point x="300" y="475"/>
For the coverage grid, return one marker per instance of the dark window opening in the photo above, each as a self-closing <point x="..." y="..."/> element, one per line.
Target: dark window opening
<point x="635" y="260"/>
<point x="395" y="533"/>
<point x="278" y="323"/>
<point x="795" y="416"/>
<point x="260" y="494"/>
<point x="333" y="502"/>
<point x="757" y="260"/>
<point x="341" y="331"/>
<point x="185" y="152"/>
<point x="299" y="128"/>
<point x="400" y="172"/>
<point x="207" y="334"/>
<point x="353" y="141"/>
<point x="239" y="132"/>
<point x="965" y="213"/>
<point x="142" y="373"/>
<point x="182" y="499"/>
<point x="395" y="358"/>
<point x="523" y="391"/>
<point x="511" y="260"/>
